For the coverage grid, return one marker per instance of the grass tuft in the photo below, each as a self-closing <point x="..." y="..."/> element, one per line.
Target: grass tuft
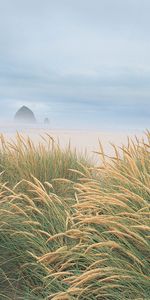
<point x="72" y="230"/>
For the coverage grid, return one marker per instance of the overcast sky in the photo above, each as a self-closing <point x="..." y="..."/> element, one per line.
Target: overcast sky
<point x="71" y="59"/>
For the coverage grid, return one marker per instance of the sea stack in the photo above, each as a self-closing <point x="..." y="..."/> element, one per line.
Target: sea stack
<point x="25" y="115"/>
<point x="46" y="121"/>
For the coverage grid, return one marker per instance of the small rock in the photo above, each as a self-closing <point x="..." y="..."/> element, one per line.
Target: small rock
<point x="46" y="121"/>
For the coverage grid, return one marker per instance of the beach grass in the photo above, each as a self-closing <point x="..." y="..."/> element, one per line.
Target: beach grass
<point x="70" y="229"/>
<point x="21" y="159"/>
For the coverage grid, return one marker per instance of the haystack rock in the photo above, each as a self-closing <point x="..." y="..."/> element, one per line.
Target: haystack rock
<point x="25" y="115"/>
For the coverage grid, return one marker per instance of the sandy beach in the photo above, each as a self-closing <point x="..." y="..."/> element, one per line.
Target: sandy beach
<point x="82" y="140"/>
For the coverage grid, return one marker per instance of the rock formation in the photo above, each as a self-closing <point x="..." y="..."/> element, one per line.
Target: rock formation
<point x="25" y="115"/>
<point x="46" y="121"/>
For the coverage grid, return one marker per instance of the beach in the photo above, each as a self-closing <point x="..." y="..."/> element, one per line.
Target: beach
<point x="83" y="140"/>
<point x="80" y="139"/>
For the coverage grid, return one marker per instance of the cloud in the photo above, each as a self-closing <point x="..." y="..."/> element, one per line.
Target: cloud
<point x="67" y="56"/>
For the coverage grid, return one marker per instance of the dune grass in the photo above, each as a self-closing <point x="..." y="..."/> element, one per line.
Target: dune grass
<point x="22" y="159"/>
<point x="72" y="230"/>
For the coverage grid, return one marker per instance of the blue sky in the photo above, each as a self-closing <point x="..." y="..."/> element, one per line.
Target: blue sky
<point x="82" y="63"/>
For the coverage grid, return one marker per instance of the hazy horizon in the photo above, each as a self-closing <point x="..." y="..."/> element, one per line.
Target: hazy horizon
<point x="83" y="64"/>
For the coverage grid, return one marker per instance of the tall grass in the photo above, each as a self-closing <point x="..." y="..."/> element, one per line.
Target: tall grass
<point x="22" y="159"/>
<point x="92" y="244"/>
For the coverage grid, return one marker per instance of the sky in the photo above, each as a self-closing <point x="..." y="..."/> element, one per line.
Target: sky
<point x="81" y="63"/>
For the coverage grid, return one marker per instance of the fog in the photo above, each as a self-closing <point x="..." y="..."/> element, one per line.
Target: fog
<point x="83" y="64"/>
